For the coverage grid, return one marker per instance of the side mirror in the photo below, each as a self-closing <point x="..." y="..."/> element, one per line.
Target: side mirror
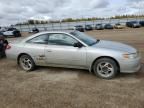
<point x="79" y="45"/>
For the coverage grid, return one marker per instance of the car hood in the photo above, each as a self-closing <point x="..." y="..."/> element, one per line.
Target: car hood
<point x="115" y="46"/>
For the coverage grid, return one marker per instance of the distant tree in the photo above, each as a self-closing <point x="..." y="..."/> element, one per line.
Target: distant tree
<point x="37" y="22"/>
<point x="31" y="21"/>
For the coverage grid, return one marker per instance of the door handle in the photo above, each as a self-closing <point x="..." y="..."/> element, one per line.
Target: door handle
<point x="49" y="50"/>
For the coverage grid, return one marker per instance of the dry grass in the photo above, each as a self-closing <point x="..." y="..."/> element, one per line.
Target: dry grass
<point x="71" y="88"/>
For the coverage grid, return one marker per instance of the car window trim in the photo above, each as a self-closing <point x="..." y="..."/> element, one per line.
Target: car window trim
<point x="64" y="34"/>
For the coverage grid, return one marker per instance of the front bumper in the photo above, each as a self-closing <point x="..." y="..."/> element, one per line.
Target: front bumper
<point x="130" y="66"/>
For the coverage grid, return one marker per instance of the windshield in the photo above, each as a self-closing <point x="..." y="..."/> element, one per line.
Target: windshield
<point x="79" y="26"/>
<point x="118" y="24"/>
<point x="134" y="22"/>
<point x="88" y="25"/>
<point x="108" y="24"/>
<point x="84" y="38"/>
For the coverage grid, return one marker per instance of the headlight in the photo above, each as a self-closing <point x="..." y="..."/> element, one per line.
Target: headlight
<point x="130" y="56"/>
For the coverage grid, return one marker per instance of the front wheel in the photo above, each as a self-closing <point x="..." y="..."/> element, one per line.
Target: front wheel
<point x="105" y="68"/>
<point x="26" y="63"/>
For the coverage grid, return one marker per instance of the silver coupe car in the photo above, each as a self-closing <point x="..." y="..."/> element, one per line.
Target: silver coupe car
<point x="74" y="50"/>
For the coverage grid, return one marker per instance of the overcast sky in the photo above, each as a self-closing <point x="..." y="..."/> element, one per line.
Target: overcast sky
<point x="13" y="11"/>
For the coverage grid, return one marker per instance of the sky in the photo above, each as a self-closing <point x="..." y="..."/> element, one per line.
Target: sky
<point x="14" y="11"/>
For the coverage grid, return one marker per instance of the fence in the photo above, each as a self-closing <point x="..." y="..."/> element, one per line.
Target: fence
<point x="70" y="25"/>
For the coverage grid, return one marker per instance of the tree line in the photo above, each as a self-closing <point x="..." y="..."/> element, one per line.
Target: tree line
<point x="32" y="22"/>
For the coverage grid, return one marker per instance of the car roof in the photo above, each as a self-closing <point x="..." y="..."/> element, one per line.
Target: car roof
<point x="108" y="24"/>
<point x="132" y="22"/>
<point x="78" y="26"/>
<point x="63" y="31"/>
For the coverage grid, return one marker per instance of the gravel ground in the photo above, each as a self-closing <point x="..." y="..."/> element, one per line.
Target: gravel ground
<point x="49" y="87"/>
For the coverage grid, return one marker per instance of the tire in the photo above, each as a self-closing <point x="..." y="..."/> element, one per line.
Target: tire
<point x="2" y="51"/>
<point x="17" y="34"/>
<point x="26" y="63"/>
<point x="20" y="35"/>
<point x="105" y="68"/>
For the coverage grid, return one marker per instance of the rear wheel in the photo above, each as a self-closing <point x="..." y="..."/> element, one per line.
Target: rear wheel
<point x="26" y="63"/>
<point x="105" y="68"/>
<point x="17" y="34"/>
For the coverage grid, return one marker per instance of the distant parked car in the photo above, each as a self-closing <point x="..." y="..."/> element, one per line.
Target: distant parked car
<point x="108" y="26"/>
<point x="141" y="23"/>
<point x="88" y="27"/>
<point x="1" y="33"/>
<point x="99" y="27"/>
<point x="34" y="30"/>
<point x="118" y="26"/>
<point x="3" y="29"/>
<point x="12" y="32"/>
<point x="133" y="24"/>
<point x="79" y="28"/>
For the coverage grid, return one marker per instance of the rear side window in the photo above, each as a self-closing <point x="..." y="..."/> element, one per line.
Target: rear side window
<point x="42" y="39"/>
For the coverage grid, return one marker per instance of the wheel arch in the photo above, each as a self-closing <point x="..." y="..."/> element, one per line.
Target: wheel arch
<point x="117" y="63"/>
<point x="20" y="56"/>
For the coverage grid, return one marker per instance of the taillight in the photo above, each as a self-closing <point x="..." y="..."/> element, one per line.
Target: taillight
<point x="8" y="47"/>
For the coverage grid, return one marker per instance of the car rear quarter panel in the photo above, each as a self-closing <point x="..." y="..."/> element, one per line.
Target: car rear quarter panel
<point x="14" y="51"/>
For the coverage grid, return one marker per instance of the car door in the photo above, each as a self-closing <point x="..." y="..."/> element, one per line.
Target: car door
<point x="60" y="51"/>
<point x="35" y="47"/>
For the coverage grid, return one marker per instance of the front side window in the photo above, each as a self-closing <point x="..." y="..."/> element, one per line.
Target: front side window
<point x="42" y="39"/>
<point x="61" y="39"/>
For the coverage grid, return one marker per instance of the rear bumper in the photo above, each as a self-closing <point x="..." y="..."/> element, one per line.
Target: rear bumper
<point x="130" y="66"/>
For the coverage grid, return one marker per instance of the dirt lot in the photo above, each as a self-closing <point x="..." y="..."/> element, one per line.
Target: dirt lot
<point x="71" y="88"/>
